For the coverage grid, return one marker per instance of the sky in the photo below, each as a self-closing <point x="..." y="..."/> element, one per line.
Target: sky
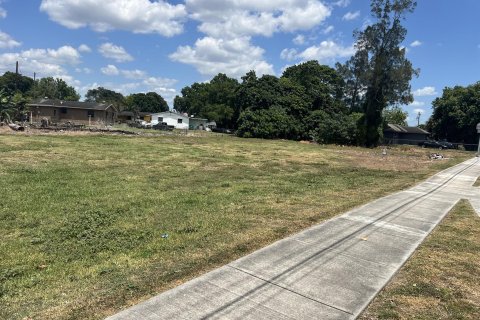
<point x="133" y="46"/>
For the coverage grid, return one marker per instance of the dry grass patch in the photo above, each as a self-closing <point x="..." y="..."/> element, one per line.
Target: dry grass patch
<point x="94" y="223"/>
<point x="442" y="279"/>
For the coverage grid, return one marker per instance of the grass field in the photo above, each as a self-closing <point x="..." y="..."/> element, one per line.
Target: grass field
<point x="442" y="279"/>
<point x="93" y="223"/>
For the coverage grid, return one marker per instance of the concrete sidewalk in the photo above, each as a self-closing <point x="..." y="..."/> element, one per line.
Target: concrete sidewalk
<point x="330" y="271"/>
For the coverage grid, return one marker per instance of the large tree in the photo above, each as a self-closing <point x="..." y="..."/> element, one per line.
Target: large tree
<point x="323" y="85"/>
<point x="214" y="100"/>
<point x="54" y="89"/>
<point x="271" y="108"/>
<point x="102" y="95"/>
<point x="12" y="82"/>
<point x="146" y="102"/>
<point x="395" y="115"/>
<point x="380" y="73"/>
<point x="456" y="114"/>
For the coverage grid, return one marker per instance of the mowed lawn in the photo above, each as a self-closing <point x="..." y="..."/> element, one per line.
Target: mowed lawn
<point x="90" y="224"/>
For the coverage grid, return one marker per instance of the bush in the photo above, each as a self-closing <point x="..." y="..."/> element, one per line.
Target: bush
<point x="272" y="123"/>
<point x="333" y="128"/>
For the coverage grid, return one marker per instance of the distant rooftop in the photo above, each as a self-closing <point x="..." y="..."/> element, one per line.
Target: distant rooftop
<point x="69" y="104"/>
<point x="402" y="129"/>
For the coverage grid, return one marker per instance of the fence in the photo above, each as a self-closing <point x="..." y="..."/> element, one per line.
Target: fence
<point x="456" y="145"/>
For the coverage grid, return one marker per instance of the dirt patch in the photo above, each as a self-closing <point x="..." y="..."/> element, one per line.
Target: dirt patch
<point x="5" y="129"/>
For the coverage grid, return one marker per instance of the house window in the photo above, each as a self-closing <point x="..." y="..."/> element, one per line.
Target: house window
<point x="63" y="110"/>
<point x="180" y="120"/>
<point x="54" y="112"/>
<point x="90" y="113"/>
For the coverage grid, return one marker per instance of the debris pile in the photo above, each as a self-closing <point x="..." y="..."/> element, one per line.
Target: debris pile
<point x="436" y="156"/>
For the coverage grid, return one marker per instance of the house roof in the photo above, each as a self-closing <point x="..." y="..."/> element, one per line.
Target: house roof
<point x="171" y="113"/>
<point x="70" y="104"/>
<point x="131" y="114"/>
<point x="402" y="129"/>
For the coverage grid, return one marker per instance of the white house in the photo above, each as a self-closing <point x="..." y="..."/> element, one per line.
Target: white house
<point x="178" y="120"/>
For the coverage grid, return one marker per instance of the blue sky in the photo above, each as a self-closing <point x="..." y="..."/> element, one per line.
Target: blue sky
<point x="140" y="45"/>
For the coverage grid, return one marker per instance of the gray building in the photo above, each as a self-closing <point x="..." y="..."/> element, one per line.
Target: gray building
<point x="397" y="134"/>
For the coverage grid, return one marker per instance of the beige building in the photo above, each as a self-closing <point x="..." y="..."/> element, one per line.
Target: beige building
<point x="57" y="111"/>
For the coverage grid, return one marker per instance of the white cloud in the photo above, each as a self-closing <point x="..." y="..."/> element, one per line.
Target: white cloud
<point x="29" y="66"/>
<point x="415" y="43"/>
<point x="303" y="17"/>
<point x="233" y="18"/>
<point x="167" y="93"/>
<point x="145" y="83"/>
<point x="3" y="13"/>
<point x="138" y="16"/>
<point x="83" y="70"/>
<point x="234" y="57"/>
<point x="426" y="91"/>
<point x="351" y="16"/>
<point x="417" y="104"/>
<point x="63" y="55"/>
<point x="417" y="111"/>
<point x="342" y="3"/>
<point x="162" y="86"/>
<point x="84" y="48"/>
<point x="7" y="42"/>
<point x="229" y="26"/>
<point x="326" y="51"/>
<point x="159" y="82"/>
<point x="328" y="29"/>
<point x="44" y="62"/>
<point x="366" y="23"/>
<point x="134" y="74"/>
<point x="117" y="53"/>
<point x="110" y="70"/>
<point x="299" y="39"/>
<point x="289" y="54"/>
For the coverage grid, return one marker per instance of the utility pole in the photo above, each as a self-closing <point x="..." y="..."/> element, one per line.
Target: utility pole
<point x="418" y="118"/>
<point x="34" y="85"/>
<point x="16" y="76"/>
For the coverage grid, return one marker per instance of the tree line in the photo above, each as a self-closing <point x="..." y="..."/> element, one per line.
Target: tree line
<point x="347" y="104"/>
<point x="17" y="90"/>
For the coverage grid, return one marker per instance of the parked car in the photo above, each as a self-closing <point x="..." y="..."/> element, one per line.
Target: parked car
<point x="431" y="144"/>
<point x="222" y="130"/>
<point x="447" y="145"/>
<point x="163" y="126"/>
<point x="139" y="124"/>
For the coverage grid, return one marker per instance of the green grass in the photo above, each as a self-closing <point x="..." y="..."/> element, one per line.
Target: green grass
<point x="93" y="223"/>
<point x="442" y="279"/>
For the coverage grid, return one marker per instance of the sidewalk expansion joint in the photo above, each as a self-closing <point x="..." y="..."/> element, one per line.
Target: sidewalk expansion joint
<point x="342" y="253"/>
<point x="290" y="290"/>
